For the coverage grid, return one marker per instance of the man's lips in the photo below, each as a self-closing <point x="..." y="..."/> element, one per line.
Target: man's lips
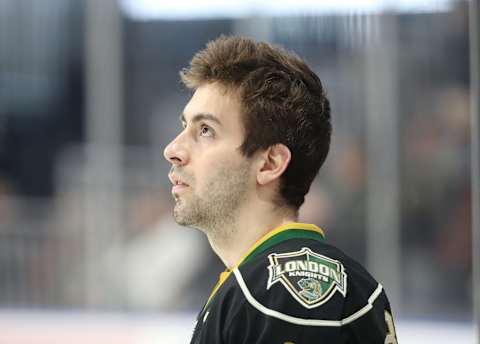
<point x="179" y="188"/>
<point x="176" y="181"/>
<point x="178" y="184"/>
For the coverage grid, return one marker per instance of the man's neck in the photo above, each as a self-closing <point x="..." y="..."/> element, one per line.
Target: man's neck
<point x="242" y="234"/>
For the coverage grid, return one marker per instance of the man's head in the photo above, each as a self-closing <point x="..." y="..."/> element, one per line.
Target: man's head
<point x="276" y="113"/>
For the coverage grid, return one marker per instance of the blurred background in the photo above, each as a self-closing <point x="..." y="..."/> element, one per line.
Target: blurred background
<point x="90" y="95"/>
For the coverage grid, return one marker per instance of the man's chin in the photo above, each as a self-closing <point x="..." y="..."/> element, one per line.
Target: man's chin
<point x="181" y="222"/>
<point x="177" y="216"/>
<point x="186" y="221"/>
<point x="180" y="217"/>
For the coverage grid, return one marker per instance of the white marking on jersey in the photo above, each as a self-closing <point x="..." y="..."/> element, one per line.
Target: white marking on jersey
<point x="307" y="322"/>
<point x="206" y="316"/>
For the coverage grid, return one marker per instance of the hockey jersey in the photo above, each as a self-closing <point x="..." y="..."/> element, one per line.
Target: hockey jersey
<point x="294" y="288"/>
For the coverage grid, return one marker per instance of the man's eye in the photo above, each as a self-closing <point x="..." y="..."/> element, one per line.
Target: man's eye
<point x="206" y="131"/>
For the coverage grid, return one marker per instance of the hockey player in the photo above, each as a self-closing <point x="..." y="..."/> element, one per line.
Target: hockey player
<point x="255" y="134"/>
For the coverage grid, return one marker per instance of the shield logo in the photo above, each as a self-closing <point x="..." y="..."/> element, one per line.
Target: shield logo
<point x="311" y="278"/>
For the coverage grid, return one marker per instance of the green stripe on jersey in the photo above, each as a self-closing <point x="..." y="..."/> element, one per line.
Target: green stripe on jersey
<point x="293" y="233"/>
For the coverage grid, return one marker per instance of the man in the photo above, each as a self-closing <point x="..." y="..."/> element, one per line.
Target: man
<point x="255" y="134"/>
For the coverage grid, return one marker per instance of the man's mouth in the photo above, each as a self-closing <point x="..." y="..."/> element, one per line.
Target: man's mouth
<point x="179" y="187"/>
<point x="178" y="184"/>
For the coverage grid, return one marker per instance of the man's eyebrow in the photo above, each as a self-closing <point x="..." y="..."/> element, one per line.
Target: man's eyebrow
<point x="201" y="116"/>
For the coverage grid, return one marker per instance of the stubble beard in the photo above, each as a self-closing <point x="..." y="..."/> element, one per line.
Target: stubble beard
<point x="215" y="212"/>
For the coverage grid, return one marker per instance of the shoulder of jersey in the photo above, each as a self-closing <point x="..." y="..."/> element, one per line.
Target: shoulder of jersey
<point x="308" y="282"/>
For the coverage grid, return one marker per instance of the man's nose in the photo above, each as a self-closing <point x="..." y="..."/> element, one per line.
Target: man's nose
<point x="175" y="152"/>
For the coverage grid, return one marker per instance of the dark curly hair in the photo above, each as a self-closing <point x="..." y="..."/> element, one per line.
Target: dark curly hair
<point x="282" y="101"/>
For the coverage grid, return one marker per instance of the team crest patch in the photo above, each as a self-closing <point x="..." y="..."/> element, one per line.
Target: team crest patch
<point x="312" y="279"/>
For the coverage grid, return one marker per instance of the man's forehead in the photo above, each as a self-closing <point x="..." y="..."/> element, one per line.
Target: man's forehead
<point x="201" y="116"/>
<point x="214" y="102"/>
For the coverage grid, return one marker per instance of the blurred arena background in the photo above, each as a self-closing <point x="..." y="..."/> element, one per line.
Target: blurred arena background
<point x="90" y="95"/>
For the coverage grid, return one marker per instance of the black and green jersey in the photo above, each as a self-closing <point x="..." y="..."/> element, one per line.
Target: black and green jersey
<point x="293" y="288"/>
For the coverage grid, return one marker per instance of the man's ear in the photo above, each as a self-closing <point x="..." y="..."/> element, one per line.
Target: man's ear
<point x="274" y="162"/>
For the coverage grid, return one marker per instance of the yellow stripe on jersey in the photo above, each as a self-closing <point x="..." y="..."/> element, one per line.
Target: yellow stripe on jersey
<point x="288" y="226"/>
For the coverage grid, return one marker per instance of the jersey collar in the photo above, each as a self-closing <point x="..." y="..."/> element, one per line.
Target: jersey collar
<point x="287" y="231"/>
<point x="284" y="232"/>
